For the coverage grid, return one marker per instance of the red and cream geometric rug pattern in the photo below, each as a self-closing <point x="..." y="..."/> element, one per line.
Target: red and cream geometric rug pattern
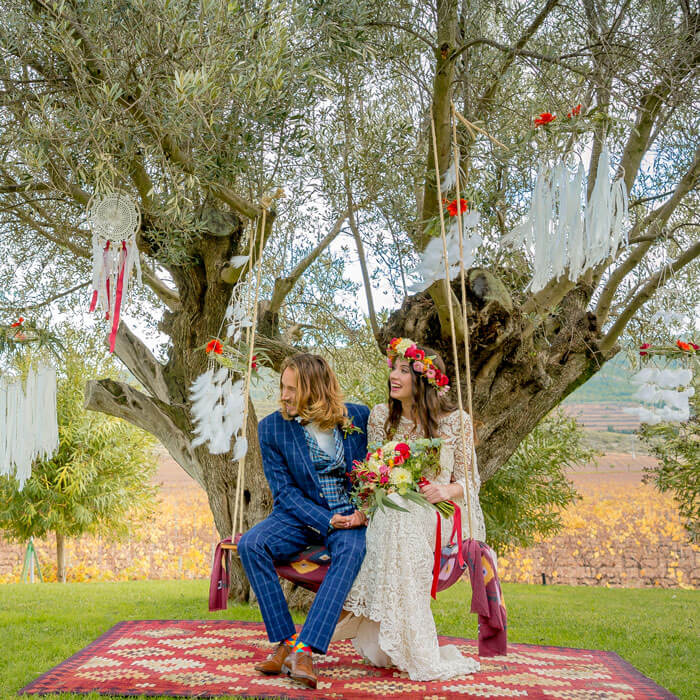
<point x="207" y="658"/>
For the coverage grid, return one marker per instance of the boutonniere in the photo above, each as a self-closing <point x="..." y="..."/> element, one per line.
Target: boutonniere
<point x="349" y="427"/>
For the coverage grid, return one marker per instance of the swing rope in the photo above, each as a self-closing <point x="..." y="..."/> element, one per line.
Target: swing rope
<point x="250" y="340"/>
<point x="448" y="292"/>
<point x="457" y="154"/>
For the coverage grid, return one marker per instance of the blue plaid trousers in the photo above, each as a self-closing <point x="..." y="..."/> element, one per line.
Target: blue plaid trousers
<point x="301" y="516"/>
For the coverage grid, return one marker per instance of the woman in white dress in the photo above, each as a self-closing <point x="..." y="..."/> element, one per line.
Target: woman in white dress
<point x="390" y="620"/>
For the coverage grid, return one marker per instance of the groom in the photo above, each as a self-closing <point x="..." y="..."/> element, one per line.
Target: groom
<point x="307" y="449"/>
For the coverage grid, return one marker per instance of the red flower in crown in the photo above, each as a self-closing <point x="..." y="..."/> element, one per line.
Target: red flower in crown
<point x="215" y="346"/>
<point x="443" y="380"/>
<point x="643" y="347"/>
<point x="411" y="352"/>
<point x="452" y="207"/>
<point x="420" y="354"/>
<point x="18" y="322"/>
<point x="545" y="118"/>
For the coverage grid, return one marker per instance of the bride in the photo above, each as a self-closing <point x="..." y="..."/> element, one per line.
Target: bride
<point x="389" y="618"/>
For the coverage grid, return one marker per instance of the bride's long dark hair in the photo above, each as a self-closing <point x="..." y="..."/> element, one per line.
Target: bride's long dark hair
<point x="428" y="404"/>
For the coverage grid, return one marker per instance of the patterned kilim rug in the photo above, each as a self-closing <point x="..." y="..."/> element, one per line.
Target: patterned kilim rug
<point x="216" y="657"/>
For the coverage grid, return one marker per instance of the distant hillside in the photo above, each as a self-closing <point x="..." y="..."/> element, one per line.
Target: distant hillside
<point x="610" y="385"/>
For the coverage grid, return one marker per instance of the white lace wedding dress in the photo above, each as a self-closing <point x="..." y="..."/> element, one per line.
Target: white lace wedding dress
<point x="391" y="594"/>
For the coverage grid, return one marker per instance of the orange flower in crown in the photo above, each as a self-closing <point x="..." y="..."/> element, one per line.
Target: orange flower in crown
<point x="422" y="364"/>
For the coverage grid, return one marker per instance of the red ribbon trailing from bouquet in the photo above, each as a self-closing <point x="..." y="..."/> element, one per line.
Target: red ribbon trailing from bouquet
<point x="456" y="531"/>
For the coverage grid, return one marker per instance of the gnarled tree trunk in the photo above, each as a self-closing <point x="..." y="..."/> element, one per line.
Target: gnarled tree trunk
<point x="520" y="368"/>
<point x="162" y="407"/>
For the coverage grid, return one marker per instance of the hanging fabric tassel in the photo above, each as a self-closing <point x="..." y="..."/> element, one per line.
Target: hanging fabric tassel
<point x="28" y="422"/>
<point x="560" y="233"/>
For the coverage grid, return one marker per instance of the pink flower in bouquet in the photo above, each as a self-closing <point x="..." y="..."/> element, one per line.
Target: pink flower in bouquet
<point x="384" y="479"/>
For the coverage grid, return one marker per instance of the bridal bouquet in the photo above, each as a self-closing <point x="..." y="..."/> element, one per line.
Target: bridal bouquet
<point x="396" y="467"/>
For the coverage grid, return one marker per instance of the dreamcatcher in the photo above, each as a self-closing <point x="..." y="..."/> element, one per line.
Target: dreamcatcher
<point x="561" y="232"/>
<point x="114" y="219"/>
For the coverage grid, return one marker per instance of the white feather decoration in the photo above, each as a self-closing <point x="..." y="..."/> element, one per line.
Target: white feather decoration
<point x="237" y="261"/>
<point x="217" y="409"/>
<point x="431" y="267"/>
<point x="662" y="387"/>
<point x="240" y="449"/>
<point x="449" y="178"/>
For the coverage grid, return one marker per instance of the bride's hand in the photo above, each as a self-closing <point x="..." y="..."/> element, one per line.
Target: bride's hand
<point x="436" y="492"/>
<point x="346" y="522"/>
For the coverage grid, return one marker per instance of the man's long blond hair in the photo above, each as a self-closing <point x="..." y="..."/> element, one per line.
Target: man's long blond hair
<point x="319" y="398"/>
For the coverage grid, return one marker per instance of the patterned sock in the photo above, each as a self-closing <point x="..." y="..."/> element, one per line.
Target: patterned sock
<point x="291" y="641"/>
<point x="300" y="646"/>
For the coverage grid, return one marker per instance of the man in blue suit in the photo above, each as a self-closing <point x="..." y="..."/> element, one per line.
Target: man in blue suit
<point x="308" y="446"/>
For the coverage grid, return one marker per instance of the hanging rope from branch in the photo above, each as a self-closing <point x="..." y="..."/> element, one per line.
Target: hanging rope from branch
<point x="448" y="292"/>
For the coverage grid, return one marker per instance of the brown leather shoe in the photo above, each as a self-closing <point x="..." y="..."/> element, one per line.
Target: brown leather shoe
<point x="300" y="666"/>
<point x="272" y="666"/>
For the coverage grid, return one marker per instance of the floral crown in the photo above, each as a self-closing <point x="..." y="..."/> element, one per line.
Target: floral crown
<point x="422" y="364"/>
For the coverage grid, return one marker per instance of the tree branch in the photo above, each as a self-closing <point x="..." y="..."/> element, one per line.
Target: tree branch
<point x="276" y="350"/>
<point x="558" y="60"/>
<point x="437" y="294"/>
<point x="490" y="91"/>
<point x="168" y="296"/>
<point x="46" y="302"/>
<point x="231" y="275"/>
<point x="139" y="360"/>
<point x="657" y="218"/>
<point x="365" y="275"/>
<point x="639" y="139"/>
<point x="284" y="285"/>
<point x="26" y="187"/>
<point x="548" y="297"/>
<point x="123" y="401"/>
<point x="645" y="294"/>
<point x="440" y="114"/>
<point x="404" y="28"/>
<point x="99" y="73"/>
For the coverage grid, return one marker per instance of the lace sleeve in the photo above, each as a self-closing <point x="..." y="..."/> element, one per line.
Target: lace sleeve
<point x="461" y="468"/>
<point x="464" y="474"/>
<point x="375" y="424"/>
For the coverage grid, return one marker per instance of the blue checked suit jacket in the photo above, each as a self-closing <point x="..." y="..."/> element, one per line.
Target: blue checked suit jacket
<point x="293" y="480"/>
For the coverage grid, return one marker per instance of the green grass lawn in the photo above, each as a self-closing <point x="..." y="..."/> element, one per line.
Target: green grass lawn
<point x="655" y="630"/>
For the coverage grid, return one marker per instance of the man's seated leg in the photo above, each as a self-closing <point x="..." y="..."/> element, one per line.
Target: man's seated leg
<point x="347" y="550"/>
<point x="275" y="538"/>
